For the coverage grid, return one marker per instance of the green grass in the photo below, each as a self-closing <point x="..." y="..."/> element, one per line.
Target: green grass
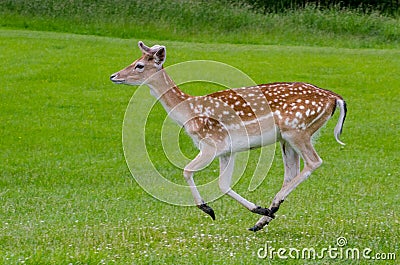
<point x="67" y="196"/>
<point x="204" y="21"/>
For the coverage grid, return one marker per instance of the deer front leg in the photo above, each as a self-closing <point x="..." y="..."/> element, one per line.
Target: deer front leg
<point x="205" y="157"/>
<point x="225" y="179"/>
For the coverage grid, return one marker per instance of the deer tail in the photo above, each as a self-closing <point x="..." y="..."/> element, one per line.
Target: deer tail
<point x="339" y="126"/>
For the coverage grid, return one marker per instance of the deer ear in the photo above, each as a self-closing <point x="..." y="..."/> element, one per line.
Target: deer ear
<point x="160" y="55"/>
<point x="143" y="47"/>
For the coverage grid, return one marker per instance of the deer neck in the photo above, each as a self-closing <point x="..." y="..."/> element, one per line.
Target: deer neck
<point x="174" y="100"/>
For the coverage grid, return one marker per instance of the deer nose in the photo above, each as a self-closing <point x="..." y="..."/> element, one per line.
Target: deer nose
<point x="113" y="76"/>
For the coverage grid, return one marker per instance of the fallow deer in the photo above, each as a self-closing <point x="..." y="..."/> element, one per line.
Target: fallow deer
<point x="233" y="120"/>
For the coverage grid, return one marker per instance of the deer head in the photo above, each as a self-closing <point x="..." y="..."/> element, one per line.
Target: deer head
<point x="139" y="71"/>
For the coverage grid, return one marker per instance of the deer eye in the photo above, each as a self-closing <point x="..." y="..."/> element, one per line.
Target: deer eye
<point x="139" y="66"/>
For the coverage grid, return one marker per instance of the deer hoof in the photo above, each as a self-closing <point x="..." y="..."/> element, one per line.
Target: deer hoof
<point x="207" y="209"/>
<point x="255" y="228"/>
<point x="274" y="209"/>
<point x="263" y="211"/>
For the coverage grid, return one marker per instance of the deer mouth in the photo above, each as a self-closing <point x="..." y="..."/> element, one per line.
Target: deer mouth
<point x="118" y="82"/>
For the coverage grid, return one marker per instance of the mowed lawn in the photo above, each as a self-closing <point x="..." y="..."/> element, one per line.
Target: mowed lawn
<point x="67" y="196"/>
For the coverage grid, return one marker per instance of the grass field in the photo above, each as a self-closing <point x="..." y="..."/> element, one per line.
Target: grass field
<point x="205" y="21"/>
<point x="67" y="196"/>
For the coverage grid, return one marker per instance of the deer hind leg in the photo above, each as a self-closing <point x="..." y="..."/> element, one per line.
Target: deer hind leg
<point x="225" y="179"/>
<point x="292" y="166"/>
<point x="205" y="157"/>
<point x="311" y="162"/>
<point x="291" y="161"/>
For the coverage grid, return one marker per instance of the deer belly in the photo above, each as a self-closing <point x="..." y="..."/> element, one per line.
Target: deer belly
<point x="245" y="142"/>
